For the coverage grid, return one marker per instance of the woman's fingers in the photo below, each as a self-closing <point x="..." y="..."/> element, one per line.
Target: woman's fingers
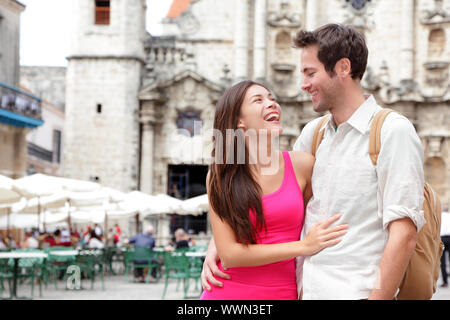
<point x="334" y="235"/>
<point x="325" y="224"/>
<point x="330" y="243"/>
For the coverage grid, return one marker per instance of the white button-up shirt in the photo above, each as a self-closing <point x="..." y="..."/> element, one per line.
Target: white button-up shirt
<point x="345" y="181"/>
<point x="445" y="224"/>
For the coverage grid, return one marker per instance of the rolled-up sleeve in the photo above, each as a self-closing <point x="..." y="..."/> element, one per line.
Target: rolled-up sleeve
<point x="400" y="172"/>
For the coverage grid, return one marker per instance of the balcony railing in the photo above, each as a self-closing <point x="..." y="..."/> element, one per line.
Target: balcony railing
<point x="19" y="108"/>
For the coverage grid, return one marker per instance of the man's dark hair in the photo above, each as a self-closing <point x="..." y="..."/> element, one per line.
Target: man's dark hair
<point x="336" y="42"/>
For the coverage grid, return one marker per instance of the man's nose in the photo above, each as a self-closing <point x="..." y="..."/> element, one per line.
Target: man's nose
<point x="305" y="86"/>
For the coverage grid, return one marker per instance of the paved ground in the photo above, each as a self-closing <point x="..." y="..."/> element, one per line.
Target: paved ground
<point x="116" y="288"/>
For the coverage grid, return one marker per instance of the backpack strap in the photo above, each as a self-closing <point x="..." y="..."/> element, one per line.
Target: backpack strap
<point x="375" y="134"/>
<point x="318" y="134"/>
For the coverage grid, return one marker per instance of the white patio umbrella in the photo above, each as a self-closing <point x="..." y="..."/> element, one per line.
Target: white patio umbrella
<point x="8" y="198"/>
<point x="150" y="204"/>
<point x="44" y="185"/>
<point x="7" y="193"/>
<point x="195" y="206"/>
<point x="51" y="191"/>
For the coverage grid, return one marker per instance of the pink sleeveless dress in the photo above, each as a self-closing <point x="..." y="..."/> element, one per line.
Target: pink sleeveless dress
<point x="284" y="213"/>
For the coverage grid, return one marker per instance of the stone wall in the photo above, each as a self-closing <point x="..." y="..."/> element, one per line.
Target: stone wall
<point x="102" y="127"/>
<point x="48" y="83"/>
<point x="13" y="155"/>
<point x="10" y="34"/>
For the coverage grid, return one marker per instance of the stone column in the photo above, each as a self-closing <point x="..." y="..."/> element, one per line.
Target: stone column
<point x="259" y="45"/>
<point x="407" y="40"/>
<point x="20" y="152"/>
<point x="241" y="40"/>
<point x="147" y="157"/>
<point x="312" y="11"/>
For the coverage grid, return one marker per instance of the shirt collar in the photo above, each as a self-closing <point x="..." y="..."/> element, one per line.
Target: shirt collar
<point x="360" y="119"/>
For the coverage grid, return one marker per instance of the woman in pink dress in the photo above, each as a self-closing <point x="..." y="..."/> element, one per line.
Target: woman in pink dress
<point x="257" y="197"/>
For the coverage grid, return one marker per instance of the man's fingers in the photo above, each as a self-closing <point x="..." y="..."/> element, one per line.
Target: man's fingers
<point x="217" y="272"/>
<point x="212" y="280"/>
<point x="221" y="274"/>
<point x="205" y="283"/>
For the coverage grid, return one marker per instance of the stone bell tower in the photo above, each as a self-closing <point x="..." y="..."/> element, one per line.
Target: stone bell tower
<point x="103" y="80"/>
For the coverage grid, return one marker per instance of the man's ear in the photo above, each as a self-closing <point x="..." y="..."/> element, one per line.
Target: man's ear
<point x="343" y="68"/>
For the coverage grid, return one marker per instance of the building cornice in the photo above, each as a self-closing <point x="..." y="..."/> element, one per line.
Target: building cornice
<point x="105" y="57"/>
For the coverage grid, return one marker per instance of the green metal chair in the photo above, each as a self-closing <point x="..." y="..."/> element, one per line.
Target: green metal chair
<point x="5" y="274"/>
<point x="92" y="263"/>
<point x="176" y="266"/>
<point x="30" y="269"/>
<point x="133" y="260"/>
<point x="57" y="265"/>
<point x="195" y="271"/>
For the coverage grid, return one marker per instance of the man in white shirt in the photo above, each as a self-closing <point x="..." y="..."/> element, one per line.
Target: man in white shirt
<point x="445" y="237"/>
<point x="382" y="204"/>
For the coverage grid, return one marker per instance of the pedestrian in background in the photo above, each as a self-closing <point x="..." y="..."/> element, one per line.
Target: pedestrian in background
<point x="445" y="236"/>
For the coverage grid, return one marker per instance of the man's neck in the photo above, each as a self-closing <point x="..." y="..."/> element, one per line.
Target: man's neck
<point x="348" y="105"/>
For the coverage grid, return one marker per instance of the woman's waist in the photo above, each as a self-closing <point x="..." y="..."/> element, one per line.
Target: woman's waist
<point x="274" y="274"/>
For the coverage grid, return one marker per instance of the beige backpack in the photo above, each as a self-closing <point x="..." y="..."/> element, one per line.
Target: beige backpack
<point x="422" y="273"/>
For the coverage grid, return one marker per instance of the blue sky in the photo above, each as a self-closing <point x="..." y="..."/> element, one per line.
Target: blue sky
<point x="45" y="25"/>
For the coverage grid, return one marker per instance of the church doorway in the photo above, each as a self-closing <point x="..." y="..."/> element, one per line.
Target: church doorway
<point x="184" y="182"/>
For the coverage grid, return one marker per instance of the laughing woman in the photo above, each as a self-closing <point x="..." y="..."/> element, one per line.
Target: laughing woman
<point x="257" y="197"/>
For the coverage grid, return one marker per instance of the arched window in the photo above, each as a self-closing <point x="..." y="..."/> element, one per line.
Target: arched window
<point x="189" y="120"/>
<point x="436" y="43"/>
<point x="283" y="46"/>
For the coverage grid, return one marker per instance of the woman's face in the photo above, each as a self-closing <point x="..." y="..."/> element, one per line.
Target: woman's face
<point x="260" y="112"/>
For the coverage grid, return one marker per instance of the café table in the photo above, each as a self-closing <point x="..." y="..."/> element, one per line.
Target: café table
<point x="198" y="254"/>
<point x="64" y="253"/>
<point x="16" y="256"/>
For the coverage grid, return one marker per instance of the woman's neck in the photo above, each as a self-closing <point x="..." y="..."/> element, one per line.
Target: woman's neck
<point x="264" y="159"/>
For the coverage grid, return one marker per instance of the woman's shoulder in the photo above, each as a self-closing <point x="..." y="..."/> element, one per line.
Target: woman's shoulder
<point x="301" y="157"/>
<point x="303" y="162"/>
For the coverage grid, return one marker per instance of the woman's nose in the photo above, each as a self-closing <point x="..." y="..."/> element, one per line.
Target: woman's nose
<point x="271" y="103"/>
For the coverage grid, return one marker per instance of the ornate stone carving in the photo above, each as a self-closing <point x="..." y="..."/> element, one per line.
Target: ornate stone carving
<point x="374" y="81"/>
<point x="359" y="13"/>
<point x="434" y="146"/>
<point x="188" y="23"/>
<point x="437" y="73"/>
<point x="282" y="76"/>
<point x="284" y="17"/>
<point x="437" y="15"/>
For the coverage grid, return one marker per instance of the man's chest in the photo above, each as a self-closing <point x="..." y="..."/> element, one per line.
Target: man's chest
<point x="343" y="169"/>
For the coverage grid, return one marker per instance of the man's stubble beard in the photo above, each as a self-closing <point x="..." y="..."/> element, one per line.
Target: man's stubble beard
<point x="329" y="97"/>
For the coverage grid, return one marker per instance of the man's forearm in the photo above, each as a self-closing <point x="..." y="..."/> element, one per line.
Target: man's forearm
<point x="395" y="259"/>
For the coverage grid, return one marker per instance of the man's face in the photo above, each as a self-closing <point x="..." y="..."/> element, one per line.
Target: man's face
<point x="324" y="90"/>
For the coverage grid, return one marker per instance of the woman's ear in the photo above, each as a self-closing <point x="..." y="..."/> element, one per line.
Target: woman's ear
<point x="241" y="125"/>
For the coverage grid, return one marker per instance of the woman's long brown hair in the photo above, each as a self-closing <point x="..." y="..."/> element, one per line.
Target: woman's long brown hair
<point x="233" y="190"/>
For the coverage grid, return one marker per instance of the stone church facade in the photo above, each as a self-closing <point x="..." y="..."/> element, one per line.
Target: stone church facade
<point x="140" y="108"/>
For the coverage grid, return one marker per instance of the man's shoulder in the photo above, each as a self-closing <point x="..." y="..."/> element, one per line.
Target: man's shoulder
<point x="398" y="123"/>
<point x="303" y="142"/>
<point x="312" y="124"/>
